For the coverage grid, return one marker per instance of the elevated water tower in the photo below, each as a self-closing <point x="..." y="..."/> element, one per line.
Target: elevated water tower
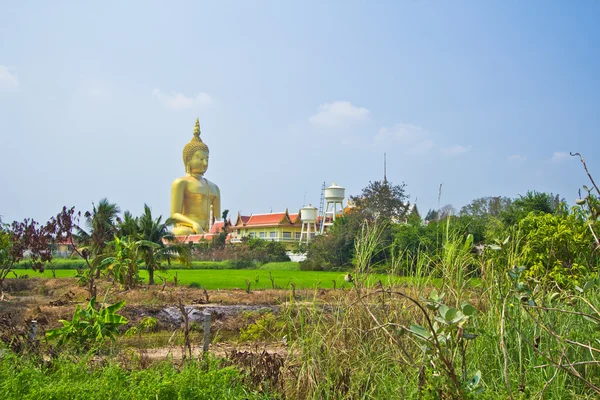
<point x="334" y="195"/>
<point x="308" y="215"/>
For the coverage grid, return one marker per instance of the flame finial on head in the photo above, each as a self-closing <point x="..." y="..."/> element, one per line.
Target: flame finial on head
<point x="194" y="145"/>
<point x="197" y="129"/>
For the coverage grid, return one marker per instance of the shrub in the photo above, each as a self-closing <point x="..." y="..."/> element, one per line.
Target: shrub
<point x="557" y="248"/>
<point x="89" y="326"/>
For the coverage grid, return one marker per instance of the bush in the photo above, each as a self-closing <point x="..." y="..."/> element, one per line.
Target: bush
<point x="64" y="378"/>
<point x="241" y="264"/>
<point x="558" y="248"/>
<point x="55" y="264"/>
<point x="281" y="266"/>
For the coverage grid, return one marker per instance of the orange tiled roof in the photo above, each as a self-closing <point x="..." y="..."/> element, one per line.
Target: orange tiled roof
<point x="295" y="218"/>
<point x="268" y="219"/>
<point x="217" y="227"/>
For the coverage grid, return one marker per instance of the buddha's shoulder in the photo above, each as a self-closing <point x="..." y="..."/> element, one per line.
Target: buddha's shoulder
<point x="182" y="180"/>
<point x="211" y="184"/>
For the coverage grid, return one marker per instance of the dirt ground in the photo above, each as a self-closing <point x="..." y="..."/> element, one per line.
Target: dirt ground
<point x="47" y="301"/>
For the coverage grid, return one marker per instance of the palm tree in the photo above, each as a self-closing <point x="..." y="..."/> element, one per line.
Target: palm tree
<point x="101" y="229"/>
<point x="101" y="226"/>
<point x="128" y="226"/>
<point x="158" y="243"/>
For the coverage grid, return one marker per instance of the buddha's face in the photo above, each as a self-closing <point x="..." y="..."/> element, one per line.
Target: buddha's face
<point x="198" y="164"/>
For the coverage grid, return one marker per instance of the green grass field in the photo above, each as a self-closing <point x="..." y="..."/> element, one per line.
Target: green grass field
<point x="230" y="279"/>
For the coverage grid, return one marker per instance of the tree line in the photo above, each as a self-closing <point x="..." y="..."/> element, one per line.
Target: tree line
<point x="557" y="241"/>
<point x="119" y="247"/>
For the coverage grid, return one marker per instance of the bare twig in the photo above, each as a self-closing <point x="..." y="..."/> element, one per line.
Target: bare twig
<point x="411" y="361"/>
<point x="567" y="368"/>
<point x="447" y="363"/>
<point x="504" y="350"/>
<point x="571" y="364"/>
<point x="553" y="376"/>
<point x="563" y="311"/>
<point x="557" y="336"/>
<point x="186" y="332"/>
<point x="586" y="171"/>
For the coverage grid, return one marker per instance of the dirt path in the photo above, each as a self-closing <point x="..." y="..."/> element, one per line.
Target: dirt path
<point x="217" y="349"/>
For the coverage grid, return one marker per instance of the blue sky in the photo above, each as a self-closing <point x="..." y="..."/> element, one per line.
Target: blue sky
<point x="486" y="98"/>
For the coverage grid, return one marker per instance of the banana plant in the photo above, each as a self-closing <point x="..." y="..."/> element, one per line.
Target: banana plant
<point x="89" y="326"/>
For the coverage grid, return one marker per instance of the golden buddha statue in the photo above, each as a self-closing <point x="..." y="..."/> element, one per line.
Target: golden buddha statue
<point x="194" y="199"/>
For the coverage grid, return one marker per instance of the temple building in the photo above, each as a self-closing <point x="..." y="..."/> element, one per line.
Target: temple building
<point x="280" y="227"/>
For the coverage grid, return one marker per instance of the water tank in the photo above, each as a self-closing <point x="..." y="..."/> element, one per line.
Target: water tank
<point x="309" y="214"/>
<point x="334" y="193"/>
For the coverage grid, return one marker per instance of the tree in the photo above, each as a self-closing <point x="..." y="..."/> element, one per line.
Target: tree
<point x="532" y="201"/>
<point x="20" y="238"/>
<point x="156" y="242"/>
<point x="414" y="239"/>
<point x="432" y="215"/>
<point x="35" y="240"/>
<point x="414" y="215"/>
<point x="218" y="242"/>
<point x="101" y="229"/>
<point x="100" y="224"/>
<point x="477" y="217"/>
<point x="336" y="248"/>
<point x="382" y="199"/>
<point x="447" y="211"/>
<point x="492" y="206"/>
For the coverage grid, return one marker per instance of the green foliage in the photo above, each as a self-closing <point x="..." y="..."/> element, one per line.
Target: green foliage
<point x="146" y="324"/>
<point x="79" y="264"/>
<point x="411" y="241"/>
<point x="445" y="338"/>
<point x="156" y="243"/>
<point x="281" y="266"/>
<point x="532" y="201"/>
<point x="65" y="378"/>
<point x="124" y="260"/>
<point x="487" y="207"/>
<point x="89" y="326"/>
<point x="383" y="199"/>
<point x="100" y="226"/>
<point x="267" y="250"/>
<point x="267" y="327"/>
<point x="336" y="249"/>
<point x="557" y="248"/>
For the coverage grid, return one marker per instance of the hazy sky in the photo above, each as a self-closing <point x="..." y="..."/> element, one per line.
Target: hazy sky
<point x="98" y="100"/>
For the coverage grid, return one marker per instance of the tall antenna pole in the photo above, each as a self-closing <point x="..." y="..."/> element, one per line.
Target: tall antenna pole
<point x="384" y="168"/>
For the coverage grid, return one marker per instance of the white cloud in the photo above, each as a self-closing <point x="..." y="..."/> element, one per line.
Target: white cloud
<point x="559" y="156"/>
<point x="455" y="150"/>
<point x="414" y="139"/>
<point x="402" y="133"/>
<point x="8" y="81"/>
<point x="339" y="113"/>
<point x="179" y="101"/>
<point x="516" y="159"/>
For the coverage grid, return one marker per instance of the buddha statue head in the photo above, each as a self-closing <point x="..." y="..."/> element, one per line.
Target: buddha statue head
<point x="195" y="154"/>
